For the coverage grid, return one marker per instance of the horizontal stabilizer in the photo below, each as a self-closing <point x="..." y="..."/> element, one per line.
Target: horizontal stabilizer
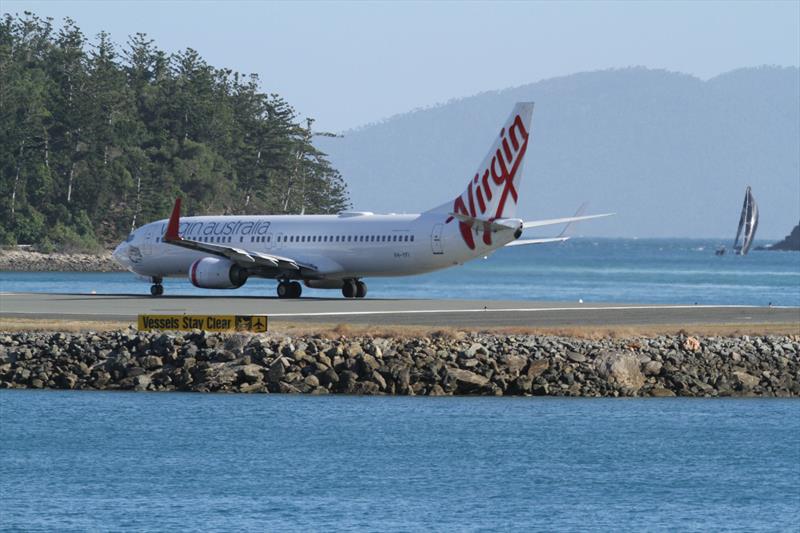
<point x="480" y="224"/>
<point x="524" y="242"/>
<point x="553" y="221"/>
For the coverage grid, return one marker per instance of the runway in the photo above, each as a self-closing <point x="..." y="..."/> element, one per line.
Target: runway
<point x="444" y="313"/>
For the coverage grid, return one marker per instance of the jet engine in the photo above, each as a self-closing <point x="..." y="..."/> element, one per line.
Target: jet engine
<point x="216" y="273"/>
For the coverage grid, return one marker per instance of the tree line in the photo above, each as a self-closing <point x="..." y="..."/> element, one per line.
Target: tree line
<point x="97" y="139"/>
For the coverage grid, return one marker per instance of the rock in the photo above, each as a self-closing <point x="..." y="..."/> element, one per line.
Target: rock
<point x="286" y="388"/>
<point x="436" y="390"/>
<point x="745" y="381"/>
<point x="691" y="344"/>
<point x="521" y="385"/>
<point x="576" y="357"/>
<point x="515" y="363"/>
<point x="276" y="372"/>
<point x="141" y="382"/>
<point x="151" y="362"/>
<point x="652" y="368"/>
<point x="658" y="392"/>
<point x="354" y="349"/>
<point x="250" y="373"/>
<point x="537" y="368"/>
<point x="311" y="381"/>
<point x="347" y="381"/>
<point x="378" y="378"/>
<point x="474" y="349"/>
<point x="328" y="377"/>
<point x="466" y="381"/>
<point x="257" y="386"/>
<point x="367" y="364"/>
<point x="621" y="369"/>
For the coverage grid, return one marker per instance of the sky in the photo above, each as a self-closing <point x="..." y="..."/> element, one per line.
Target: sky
<point x="347" y="64"/>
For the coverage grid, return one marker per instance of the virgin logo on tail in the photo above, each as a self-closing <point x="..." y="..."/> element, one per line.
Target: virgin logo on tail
<point x="488" y="192"/>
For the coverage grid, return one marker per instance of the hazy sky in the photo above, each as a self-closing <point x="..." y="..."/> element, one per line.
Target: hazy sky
<point x="347" y="64"/>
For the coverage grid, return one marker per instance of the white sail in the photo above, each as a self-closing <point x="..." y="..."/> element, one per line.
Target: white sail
<point x="748" y="223"/>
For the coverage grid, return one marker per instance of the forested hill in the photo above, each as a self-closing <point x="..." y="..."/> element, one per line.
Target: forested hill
<point x="671" y="153"/>
<point x="98" y="138"/>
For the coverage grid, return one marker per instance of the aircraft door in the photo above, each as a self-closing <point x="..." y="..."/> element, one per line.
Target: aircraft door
<point x="147" y="243"/>
<point x="278" y="240"/>
<point x="436" y="239"/>
<point x="271" y="241"/>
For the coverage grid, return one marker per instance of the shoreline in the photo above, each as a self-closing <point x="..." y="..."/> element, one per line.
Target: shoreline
<point x="449" y="363"/>
<point x="18" y="260"/>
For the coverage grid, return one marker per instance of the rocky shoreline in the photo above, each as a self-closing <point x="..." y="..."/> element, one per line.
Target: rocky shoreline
<point x="16" y="260"/>
<point x="464" y="364"/>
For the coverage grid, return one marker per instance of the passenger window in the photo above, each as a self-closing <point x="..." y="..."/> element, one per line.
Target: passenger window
<point x="412" y="238"/>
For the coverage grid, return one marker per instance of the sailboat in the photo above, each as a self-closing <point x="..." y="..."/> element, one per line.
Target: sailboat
<point x="748" y="223"/>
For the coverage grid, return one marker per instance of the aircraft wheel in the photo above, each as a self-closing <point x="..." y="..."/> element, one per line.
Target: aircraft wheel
<point x="157" y="289"/>
<point x="284" y="290"/>
<point x="349" y="288"/>
<point x="295" y="290"/>
<point x="361" y="289"/>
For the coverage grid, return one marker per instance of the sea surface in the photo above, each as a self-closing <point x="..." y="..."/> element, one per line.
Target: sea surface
<point x="101" y="461"/>
<point x="678" y="271"/>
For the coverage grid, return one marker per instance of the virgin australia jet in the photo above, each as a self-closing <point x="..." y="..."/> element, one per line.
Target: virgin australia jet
<point x="339" y="251"/>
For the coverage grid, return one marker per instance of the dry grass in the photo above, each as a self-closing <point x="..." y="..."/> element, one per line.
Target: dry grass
<point x="357" y="330"/>
<point x="34" y="324"/>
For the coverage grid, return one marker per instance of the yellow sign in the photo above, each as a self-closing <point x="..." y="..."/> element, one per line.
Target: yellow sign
<point x="254" y="323"/>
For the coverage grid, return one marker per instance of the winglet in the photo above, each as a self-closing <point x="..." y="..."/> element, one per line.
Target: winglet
<point x="174" y="223"/>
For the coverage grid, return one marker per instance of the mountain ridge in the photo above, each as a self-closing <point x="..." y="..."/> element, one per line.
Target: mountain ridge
<point x="670" y="152"/>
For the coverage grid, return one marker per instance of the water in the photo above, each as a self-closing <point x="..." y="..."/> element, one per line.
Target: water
<point x="678" y="271"/>
<point x="152" y="462"/>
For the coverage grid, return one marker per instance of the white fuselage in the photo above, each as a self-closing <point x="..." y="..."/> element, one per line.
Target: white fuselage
<point x="349" y="245"/>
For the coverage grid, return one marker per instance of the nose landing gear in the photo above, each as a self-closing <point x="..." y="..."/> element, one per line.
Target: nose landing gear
<point x="156" y="289"/>
<point x="354" y="288"/>
<point x="289" y="289"/>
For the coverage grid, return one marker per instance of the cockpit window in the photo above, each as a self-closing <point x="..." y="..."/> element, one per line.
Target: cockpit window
<point x="130" y="238"/>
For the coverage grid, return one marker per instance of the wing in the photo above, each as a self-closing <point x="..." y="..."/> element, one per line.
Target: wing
<point x="245" y="258"/>
<point x="553" y="221"/>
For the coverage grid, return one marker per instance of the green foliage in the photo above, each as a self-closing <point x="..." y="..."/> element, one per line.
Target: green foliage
<point x="94" y="141"/>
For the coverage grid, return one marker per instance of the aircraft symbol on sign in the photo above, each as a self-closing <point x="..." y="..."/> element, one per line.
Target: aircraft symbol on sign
<point x="259" y="324"/>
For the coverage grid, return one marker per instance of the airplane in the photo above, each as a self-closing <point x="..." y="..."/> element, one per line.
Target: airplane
<point x="340" y="251"/>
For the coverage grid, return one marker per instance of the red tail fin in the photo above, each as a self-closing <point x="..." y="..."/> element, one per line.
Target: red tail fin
<point x="174" y="223"/>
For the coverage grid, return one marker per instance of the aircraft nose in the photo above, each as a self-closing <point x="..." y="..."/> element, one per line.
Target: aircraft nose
<point x="120" y="255"/>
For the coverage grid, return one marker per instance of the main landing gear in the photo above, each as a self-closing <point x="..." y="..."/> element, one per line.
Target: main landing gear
<point x="156" y="289"/>
<point x="289" y="289"/>
<point x="354" y="288"/>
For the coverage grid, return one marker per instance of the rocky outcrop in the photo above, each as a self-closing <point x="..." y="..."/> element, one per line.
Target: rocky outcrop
<point x="472" y="364"/>
<point x="790" y="243"/>
<point x="16" y="260"/>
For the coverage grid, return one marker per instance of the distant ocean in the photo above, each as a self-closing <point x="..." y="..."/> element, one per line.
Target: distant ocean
<point x="679" y="271"/>
<point x="95" y="461"/>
